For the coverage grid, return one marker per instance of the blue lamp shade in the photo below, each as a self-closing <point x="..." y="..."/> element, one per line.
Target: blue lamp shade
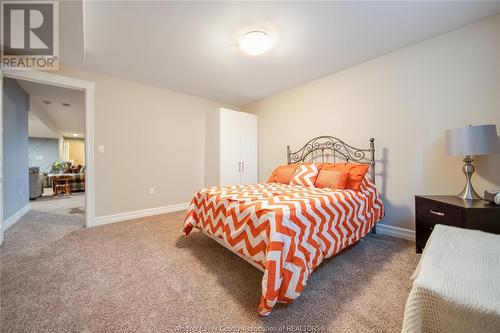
<point x="472" y="140"/>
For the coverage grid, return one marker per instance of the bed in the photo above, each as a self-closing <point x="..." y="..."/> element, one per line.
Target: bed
<point x="456" y="284"/>
<point x="286" y="230"/>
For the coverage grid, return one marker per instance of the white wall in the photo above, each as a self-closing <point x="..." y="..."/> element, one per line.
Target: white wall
<point x="212" y="148"/>
<point x="153" y="138"/>
<point x="75" y="150"/>
<point x="43" y="152"/>
<point x="405" y="100"/>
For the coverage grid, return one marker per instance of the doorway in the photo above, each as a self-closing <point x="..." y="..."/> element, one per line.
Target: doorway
<point x="87" y="89"/>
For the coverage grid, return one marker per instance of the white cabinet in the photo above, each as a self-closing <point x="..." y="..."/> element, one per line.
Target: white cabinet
<point x="248" y="148"/>
<point x="231" y="148"/>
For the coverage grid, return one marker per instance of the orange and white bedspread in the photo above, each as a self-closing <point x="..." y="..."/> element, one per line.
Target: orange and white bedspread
<point x="288" y="230"/>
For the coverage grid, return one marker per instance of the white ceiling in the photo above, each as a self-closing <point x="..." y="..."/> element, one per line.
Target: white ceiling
<point x="38" y="129"/>
<point x="54" y="117"/>
<point x="191" y="47"/>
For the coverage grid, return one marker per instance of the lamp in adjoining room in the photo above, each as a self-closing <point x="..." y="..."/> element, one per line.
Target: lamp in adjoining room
<point x="471" y="141"/>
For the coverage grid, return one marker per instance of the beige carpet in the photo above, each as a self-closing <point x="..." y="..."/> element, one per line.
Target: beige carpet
<point x="143" y="276"/>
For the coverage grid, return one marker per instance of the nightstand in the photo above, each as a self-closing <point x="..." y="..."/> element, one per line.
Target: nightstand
<point x="450" y="210"/>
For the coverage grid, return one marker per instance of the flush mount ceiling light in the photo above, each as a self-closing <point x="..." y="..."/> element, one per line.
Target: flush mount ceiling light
<point x="255" y="42"/>
<point x="75" y="135"/>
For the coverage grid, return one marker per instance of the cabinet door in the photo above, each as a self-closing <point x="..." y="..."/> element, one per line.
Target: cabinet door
<point x="230" y="128"/>
<point x="248" y="148"/>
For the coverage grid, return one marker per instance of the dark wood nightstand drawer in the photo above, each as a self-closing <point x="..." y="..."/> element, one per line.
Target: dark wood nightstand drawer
<point x="434" y="212"/>
<point x="422" y="233"/>
<point x="451" y="210"/>
<point x="430" y="212"/>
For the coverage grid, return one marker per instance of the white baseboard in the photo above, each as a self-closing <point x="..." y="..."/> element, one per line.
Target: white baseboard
<point x="106" y="219"/>
<point x="397" y="232"/>
<point x="15" y="217"/>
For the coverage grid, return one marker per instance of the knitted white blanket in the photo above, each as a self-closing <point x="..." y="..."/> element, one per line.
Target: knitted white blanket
<point x="456" y="285"/>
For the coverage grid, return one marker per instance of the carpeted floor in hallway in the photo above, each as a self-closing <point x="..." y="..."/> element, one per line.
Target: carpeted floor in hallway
<point x="144" y="276"/>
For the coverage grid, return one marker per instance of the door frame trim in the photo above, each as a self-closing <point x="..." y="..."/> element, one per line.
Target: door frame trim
<point x="88" y="88"/>
<point x="1" y="158"/>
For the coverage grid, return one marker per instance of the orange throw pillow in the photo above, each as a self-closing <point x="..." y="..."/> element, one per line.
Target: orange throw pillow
<point x="332" y="179"/>
<point x="356" y="172"/>
<point x="305" y="175"/>
<point x="283" y="174"/>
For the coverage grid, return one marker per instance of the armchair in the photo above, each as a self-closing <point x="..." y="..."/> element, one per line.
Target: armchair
<point x="35" y="183"/>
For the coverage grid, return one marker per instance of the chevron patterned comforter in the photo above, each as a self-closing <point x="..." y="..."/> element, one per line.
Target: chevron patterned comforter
<point x="288" y="230"/>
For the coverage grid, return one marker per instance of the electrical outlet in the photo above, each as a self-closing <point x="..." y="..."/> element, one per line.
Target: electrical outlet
<point x="100" y="149"/>
<point x="151" y="191"/>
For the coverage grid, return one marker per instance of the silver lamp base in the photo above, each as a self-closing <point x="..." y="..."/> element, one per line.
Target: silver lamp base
<point x="468" y="193"/>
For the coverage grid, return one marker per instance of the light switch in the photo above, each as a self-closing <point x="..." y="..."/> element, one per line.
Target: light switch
<point x="100" y="149"/>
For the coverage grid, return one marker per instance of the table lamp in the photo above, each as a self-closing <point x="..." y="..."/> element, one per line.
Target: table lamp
<point x="469" y="141"/>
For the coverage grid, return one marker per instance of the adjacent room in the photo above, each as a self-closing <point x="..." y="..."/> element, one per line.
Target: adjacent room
<point x="44" y="152"/>
<point x="250" y="166"/>
<point x="56" y="131"/>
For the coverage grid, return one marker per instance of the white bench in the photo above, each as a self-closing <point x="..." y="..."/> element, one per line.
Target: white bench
<point x="456" y="286"/>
